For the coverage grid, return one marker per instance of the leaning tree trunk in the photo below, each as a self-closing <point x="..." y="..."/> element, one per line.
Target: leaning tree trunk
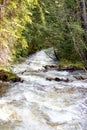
<point x="2" y="5"/>
<point x="3" y="2"/>
<point x="83" y="10"/>
<point x="84" y="13"/>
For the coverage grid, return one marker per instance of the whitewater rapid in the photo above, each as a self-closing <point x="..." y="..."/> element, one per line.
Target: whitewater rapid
<point x="39" y="104"/>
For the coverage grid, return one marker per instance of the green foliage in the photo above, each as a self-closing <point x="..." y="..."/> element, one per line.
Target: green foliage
<point x="13" y="23"/>
<point x="30" y="25"/>
<point x="8" y="76"/>
<point x="70" y="3"/>
<point x="65" y="62"/>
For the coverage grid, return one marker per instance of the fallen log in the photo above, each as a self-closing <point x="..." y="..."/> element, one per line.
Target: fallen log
<point x="60" y="68"/>
<point x="68" y="68"/>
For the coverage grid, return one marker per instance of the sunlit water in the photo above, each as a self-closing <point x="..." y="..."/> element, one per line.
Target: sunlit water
<point x="39" y="104"/>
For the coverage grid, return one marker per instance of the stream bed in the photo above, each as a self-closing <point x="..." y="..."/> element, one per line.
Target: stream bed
<point x="39" y="104"/>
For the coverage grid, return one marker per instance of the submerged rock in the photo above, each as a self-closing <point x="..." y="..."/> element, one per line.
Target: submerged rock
<point x="9" y="76"/>
<point x="57" y="79"/>
<point x="3" y="87"/>
<point x="81" y="77"/>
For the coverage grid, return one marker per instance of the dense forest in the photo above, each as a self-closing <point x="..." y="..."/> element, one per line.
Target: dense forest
<point x="30" y="25"/>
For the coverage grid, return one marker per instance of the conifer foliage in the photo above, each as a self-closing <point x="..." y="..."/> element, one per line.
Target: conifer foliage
<point x="30" y="25"/>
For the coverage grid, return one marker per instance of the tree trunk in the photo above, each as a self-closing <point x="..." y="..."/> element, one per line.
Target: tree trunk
<point x="2" y="5"/>
<point x="3" y="2"/>
<point x="84" y="13"/>
<point x="83" y="9"/>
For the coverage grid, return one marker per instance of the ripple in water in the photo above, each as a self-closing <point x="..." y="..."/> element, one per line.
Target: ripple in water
<point x="38" y="104"/>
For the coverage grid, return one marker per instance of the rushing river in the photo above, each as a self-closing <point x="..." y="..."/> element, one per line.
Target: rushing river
<point x="39" y="104"/>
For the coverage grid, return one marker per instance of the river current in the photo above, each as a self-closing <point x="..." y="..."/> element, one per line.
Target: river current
<point x="39" y="104"/>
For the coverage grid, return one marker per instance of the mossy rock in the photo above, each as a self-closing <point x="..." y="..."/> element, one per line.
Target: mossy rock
<point x="8" y="76"/>
<point x="3" y="87"/>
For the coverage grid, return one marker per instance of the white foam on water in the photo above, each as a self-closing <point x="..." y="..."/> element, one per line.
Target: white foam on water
<point x="39" y="104"/>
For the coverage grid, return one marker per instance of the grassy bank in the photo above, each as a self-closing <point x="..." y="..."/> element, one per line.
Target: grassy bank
<point x="8" y="76"/>
<point x="77" y="64"/>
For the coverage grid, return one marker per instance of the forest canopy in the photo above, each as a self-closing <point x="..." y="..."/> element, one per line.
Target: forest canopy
<point x="30" y="25"/>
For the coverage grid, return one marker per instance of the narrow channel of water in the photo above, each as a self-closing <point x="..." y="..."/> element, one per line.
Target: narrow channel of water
<point x="39" y="104"/>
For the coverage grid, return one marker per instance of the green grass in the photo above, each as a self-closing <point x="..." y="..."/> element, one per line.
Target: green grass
<point x="77" y="64"/>
<point x="8" y="76"/>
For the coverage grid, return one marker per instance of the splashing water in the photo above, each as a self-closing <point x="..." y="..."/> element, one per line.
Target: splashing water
<point x="39" y="104"/>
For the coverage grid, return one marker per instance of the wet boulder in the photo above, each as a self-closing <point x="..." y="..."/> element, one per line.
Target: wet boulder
<point x="57" y="79"/>
<point x="80" y="77"/>
<point x="3" y="87"/>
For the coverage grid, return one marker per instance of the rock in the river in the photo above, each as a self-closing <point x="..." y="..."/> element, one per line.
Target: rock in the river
<point x="80" y="77"/>
<point x="3" y="87"/>
<point x="57" y="79"/>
